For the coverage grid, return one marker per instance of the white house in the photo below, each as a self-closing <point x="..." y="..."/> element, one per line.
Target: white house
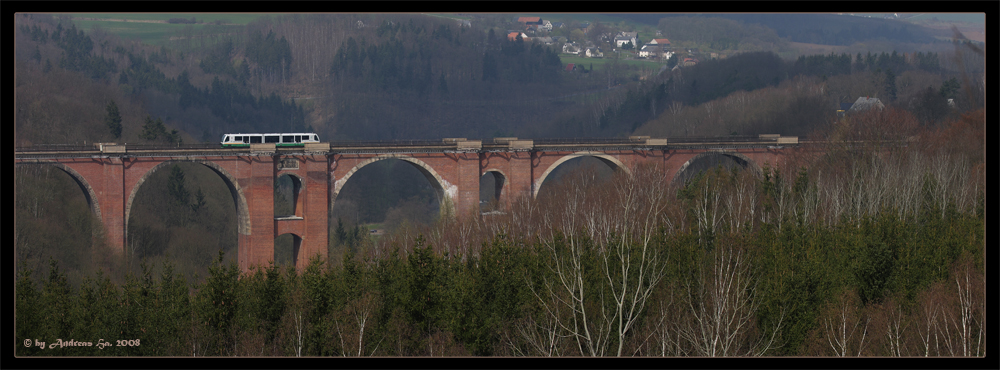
<point x="594" y="53"/>
<point x="571" y="48"/>
<point x="626" y="37"/>
<point x="650" y="51"/>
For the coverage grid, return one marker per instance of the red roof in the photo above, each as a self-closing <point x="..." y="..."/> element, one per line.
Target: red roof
<point x="529" y="19"/>
<point x="662" y="41"/>
<point x="569" y="67"/>
<point x="513" y="35"/>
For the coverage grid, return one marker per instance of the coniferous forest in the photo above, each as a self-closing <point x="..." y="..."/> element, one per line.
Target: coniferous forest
<point x="875" y="247"/>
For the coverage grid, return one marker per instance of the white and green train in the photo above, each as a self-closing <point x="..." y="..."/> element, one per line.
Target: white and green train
<point x="279" y="140"/>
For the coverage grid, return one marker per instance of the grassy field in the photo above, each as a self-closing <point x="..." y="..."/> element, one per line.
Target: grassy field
<point x="152" y="28"/>
<point x="238" y="18"/>
<point x="944" y="17"/>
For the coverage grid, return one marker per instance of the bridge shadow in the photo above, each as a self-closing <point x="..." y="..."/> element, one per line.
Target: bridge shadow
<point x="56" y="218"/>
<point x="184" y="212"/>
<point x="582" y="170"/>
<point x="387" y="193"/>
<point x="710" y="161"/>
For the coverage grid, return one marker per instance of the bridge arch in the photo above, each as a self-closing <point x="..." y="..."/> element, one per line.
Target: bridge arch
<point x="88" y="191"/>
<point x="444" y="190"/>
<point x="610" y="160"/>
<point x="499" y="182"/>
<point x="239" y="198"/>
<point x="740" y="159"/>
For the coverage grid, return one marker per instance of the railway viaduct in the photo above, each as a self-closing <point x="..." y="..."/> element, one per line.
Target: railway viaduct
<point x="111" y="174"/>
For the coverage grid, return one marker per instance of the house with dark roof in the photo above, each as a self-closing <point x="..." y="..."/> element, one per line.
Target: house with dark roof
<point x="863" y="103"/>
<point x="626" y="37"/>
<point x="866" y="103"/>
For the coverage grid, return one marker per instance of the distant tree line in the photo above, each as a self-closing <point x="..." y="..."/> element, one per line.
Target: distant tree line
<point x="267" y="57"/>
<point x="77" y="56"/>
<point x="238" y="107"/>
<point x="519" y="62"/>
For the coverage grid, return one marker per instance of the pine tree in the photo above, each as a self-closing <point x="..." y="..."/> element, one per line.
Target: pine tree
<point x="890" y="85"/>
<point x="150" y="131"/>
<point x="341" y="233"/>
<point x="175" y="186"/>
<point x="114" y="120"/>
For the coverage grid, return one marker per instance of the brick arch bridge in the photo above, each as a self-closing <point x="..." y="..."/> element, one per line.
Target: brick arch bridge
<point x="110" y="175"/>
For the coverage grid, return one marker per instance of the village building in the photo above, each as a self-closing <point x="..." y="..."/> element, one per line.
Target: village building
<point x="571" y="48"/>
<point x="594" y="53"/>
<point x="627" y="37"/>
<point x="651" y="51"/>
<point x="660" y="42"/>
<point x="863" y="103"/>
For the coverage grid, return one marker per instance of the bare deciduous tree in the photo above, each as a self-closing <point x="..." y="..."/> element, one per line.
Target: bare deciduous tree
<point x="844" y="331"/>
<point x="723" y="307"/>
<point x="359" y="311"/>
<point x="618" y="222"/>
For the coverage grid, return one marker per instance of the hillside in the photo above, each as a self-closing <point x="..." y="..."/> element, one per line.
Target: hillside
<point x="412" y="76"/>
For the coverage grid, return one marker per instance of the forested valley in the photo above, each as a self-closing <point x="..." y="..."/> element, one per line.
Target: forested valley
<point x="847" y="254"/>
<point x="856" y="253"/>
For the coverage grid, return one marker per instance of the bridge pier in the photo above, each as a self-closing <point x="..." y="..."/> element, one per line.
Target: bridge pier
<point x="260" y="200"/>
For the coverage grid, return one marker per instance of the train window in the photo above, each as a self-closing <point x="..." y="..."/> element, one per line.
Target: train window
<point x="298" y="138"/>
<point x="255" y="139"/>
<point x="271" y="138"/>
